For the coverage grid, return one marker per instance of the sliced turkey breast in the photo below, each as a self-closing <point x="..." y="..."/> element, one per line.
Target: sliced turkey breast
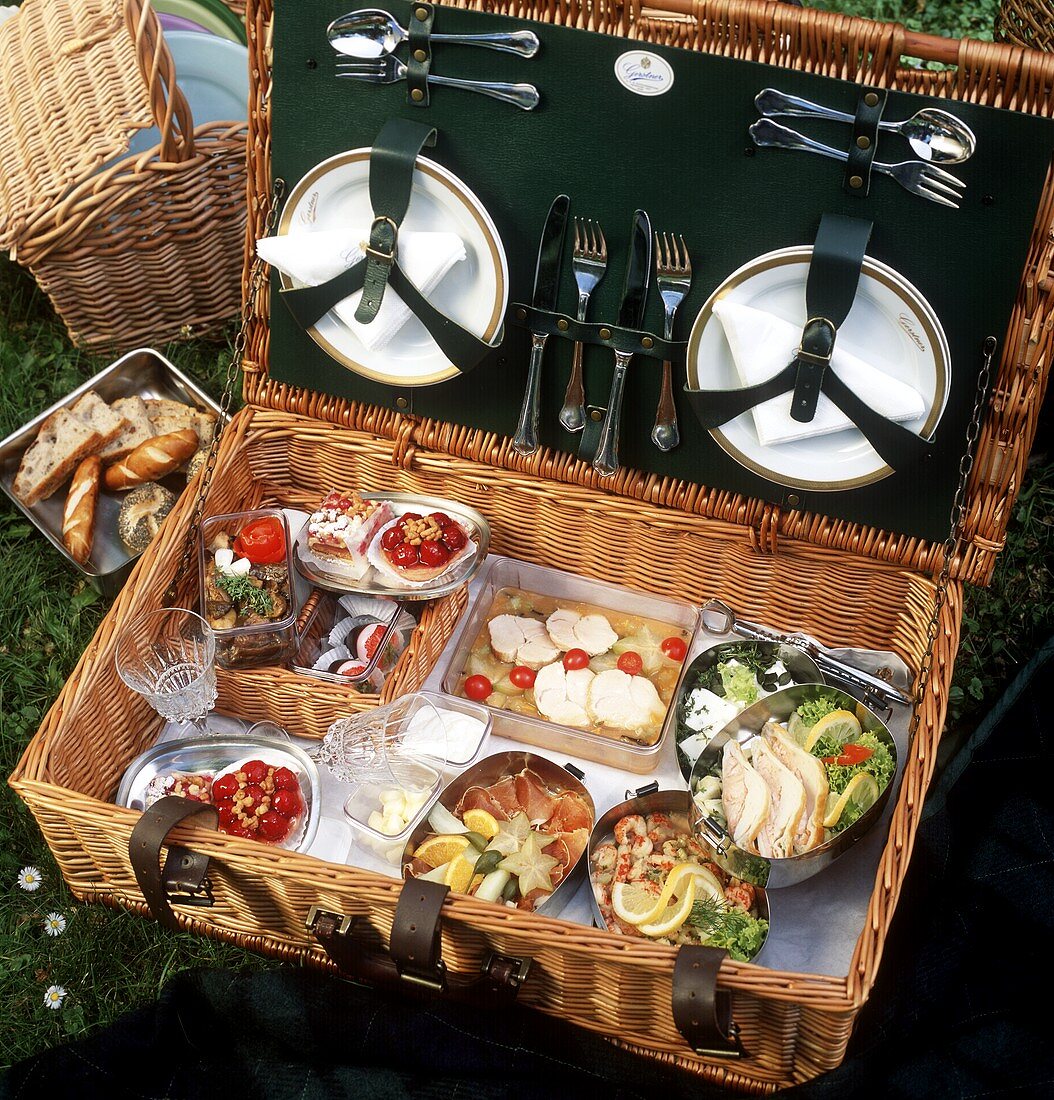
<point x="813" y="777"/>
<point x="570" y="630"/>
<point x="776" y="838"/>
<point x="521" y="641"/>
<point x="560" y="695"/>
<point x="619" y="701"/>
<point x="744" y="796"/>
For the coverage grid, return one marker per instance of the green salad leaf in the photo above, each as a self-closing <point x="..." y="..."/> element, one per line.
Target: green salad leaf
<point x="740" y="934"/>
<point x="739" y="682"/>
<point x="746" y="660"/>
<point x="812" y="710"/>
<point x="879" y="764"/>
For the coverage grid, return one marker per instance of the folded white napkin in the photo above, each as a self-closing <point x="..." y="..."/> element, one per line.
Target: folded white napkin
<point x="762" y="345"/>
<point x="317" y="256"/>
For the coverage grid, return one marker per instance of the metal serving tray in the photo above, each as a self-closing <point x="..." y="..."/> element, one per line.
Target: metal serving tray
<point x="142" y="373"/>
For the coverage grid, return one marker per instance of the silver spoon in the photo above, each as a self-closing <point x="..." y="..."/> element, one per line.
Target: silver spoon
<point x="371" y="32"/>
<point x="934" y="135"/>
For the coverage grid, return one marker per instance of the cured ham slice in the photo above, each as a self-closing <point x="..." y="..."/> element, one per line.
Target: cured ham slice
<point x="506" y="796"/>
<point x="560" y="695"/>
<point x="519" y="640"/>
<point x="619" y="701"/>
<point x="744" y="796"/>
<point x="480" y="798"/>
<point x="813" y="777"/>
<point x="534" y="797"/>
<point x="571" y="813"/>
<point x="787" y="802"/>
<point x="559" y="850"/>
<point x="570" y="630"/>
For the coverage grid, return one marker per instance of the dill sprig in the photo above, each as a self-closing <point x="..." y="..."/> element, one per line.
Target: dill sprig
<point x="242" y="591"/>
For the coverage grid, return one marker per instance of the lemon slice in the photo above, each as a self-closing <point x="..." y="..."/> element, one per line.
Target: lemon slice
<point x="438" y="850"/>
<point x="479" y="821"/>
<point x="634" y="903"/>
<point x="842" y="725"/>
<point x="674" y="915"/>
<point x="862" y="790"/>
<point x="459" y="874"/>
<point x="707" y="883"/>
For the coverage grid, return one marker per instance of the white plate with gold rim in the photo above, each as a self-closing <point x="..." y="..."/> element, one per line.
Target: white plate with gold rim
<point x="335" y="194"/>
<point x="891" y="326"/>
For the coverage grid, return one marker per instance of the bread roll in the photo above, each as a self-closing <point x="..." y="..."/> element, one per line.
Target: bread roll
<point x="152" y="460"/>
<point x="78" y="517"/>
<point x="141" y="514"/>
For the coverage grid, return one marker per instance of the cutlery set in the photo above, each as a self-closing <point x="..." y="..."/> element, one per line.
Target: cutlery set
<point x="934" y="136"/>
<point x="366" y="41"/>
<point x="589" y="260"/>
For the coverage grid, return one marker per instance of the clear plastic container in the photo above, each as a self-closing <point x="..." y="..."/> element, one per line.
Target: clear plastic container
<point x="395" y="758"/>
<point x="268" y="643"/>
<point x="618" y="752"/>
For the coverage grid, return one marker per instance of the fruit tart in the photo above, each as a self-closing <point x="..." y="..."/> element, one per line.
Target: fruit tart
<point x="341" y="530"/>
<point x="415" y="549"/>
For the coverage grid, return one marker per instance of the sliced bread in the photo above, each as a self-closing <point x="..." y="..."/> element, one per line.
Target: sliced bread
<point x="63" y="440"/>
<point x="137" y="430"/>
<point x="93" y="411"/>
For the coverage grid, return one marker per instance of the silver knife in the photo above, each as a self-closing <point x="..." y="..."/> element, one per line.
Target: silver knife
<point x="631" y="315"/>
<point x="546" y="292"/>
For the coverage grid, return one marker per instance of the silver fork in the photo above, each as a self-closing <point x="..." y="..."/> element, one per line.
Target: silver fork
<point x="390" y="70"/>
<point x="925" y="180"/>
<point x="589" y="261"/>
<point x="673" y="274"/>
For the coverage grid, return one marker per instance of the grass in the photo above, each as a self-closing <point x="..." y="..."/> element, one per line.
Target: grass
<point x="110" y="961"/>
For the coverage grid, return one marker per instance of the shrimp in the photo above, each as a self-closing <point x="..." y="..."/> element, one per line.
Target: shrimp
<point x="604" y="857"/>
<point x="600" y="892"/>
<point x="663" y="862"/>
<point x="641" y="847"/>
<point x="741" y="895"/>
<point x="659" y="827"/>
<point x="630" y="826"/>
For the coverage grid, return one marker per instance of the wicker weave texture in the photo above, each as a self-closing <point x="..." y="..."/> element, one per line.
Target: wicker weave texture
<point x="1026" y="23"/>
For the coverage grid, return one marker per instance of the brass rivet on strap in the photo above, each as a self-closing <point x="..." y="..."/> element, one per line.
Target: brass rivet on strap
<point x="862" y="142"/>
<point x="422" y="14"/>
<point x="856" y="181"/>
<point x="793" y="500"/>
<point x="401" y="402"/>
<point x="420" y="55"/>
<point x="417" y="95"/>
<point x="561" y="325"/>
<point x="521" y="315"/>
<point x="605" y="334"/>
<point x="647" y="342"/>
<point x="596" y="414"/>
<point x="871" y="99"/>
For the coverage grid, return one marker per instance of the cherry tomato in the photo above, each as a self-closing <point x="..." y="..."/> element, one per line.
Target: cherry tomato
<point x="255" y="771"/>
<point x="262" y="541"/>
<point x="454" y="538"/>
<point x="404" y="555"/>
<point x="675" y="648"/>
<point x="575" y="659"/>
<point x="286" y="803"/>
<point x="433" y="553"/>
<point x="523" y="677"/>
<point x="285" y="779"/>
<point x="850" y="754"/>
<point x="392" y="537"/>
<point x="478" y="688"/>
<point x="441" y="518"/>
<point x="224" y="787"/>
<point x="630" y="663"/>
<point x="274" y="826"/>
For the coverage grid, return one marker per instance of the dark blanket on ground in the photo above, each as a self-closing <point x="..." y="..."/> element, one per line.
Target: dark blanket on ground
<point x="950" y="1014"/>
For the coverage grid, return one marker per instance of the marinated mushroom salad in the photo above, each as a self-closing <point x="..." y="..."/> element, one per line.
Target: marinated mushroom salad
<point x="796" y="785"/>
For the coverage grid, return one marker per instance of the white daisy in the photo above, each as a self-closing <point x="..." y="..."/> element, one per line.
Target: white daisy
<point x="54" y="996"/>
<point x="54" y="924"/>
<point x="30" y="878"/>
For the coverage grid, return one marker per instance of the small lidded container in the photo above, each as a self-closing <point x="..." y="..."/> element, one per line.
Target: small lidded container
<point x="247" y="594"/>
<point x="395" y="758"/>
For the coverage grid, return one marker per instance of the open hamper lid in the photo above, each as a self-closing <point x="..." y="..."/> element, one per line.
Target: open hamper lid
<point x="77" y="80"/>
<point x="420" y="419"/>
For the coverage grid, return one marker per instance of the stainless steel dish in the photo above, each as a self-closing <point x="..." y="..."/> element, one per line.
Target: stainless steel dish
<point x="491" y="770"/>
<point x="801" y="668"/>
<point x="649" y="801"/>
<point x="788" y="871"/>
<point x="215" y="755"/>
<point x="142" y="373"/>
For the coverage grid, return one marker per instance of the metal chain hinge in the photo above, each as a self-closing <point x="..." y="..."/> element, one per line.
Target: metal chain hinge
<point x="256" y="280"/>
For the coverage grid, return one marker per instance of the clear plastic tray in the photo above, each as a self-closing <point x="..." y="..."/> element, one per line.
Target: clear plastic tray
<point x="500" y="573"/>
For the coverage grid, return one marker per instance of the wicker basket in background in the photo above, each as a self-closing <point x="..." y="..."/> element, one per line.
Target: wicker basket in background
<point x="138" y="250"/>
<point x="1026" y="23"/>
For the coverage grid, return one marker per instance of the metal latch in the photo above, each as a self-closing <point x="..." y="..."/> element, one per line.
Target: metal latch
<point x="324" y="923"/>
<point x="506" y="970"/>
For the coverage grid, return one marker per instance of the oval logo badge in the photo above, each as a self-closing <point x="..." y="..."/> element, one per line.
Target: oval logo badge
<point x="644" y="73"/>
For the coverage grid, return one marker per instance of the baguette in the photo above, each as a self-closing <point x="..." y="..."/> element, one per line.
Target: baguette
<point x="78" y="516"/>
<point x="152" y="460"/>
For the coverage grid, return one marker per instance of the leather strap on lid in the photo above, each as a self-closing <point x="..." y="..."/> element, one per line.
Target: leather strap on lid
<point x="184" y="870"/>
<point x="869" y="107"/>
<point x="416" y="943"/>
<point x="420" y="61"/>
<point x="701" y="1011"/>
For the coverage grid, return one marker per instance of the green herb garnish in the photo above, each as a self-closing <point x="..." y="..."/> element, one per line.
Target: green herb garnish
<point x="242" y="591"/>
<point x="749" y="660"/>
<point x="720" y="925"/>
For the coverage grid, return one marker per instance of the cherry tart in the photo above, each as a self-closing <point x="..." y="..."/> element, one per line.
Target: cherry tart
<point x="258" y="800"/>
<point x="419" y="548"/>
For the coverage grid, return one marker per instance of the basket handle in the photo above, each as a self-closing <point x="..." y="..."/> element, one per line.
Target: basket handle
<point x="414" y="962"/>
<point x="184" y="870"/>
<point x="171" y="110"/>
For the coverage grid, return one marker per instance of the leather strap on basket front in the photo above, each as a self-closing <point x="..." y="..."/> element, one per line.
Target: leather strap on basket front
<point x="701" y="1011"/>
<point x="417" y="943"/>
<point x="184" y="870"/>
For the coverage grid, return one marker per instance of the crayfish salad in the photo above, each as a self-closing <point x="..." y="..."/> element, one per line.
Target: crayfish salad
<point x="655" y="880"/>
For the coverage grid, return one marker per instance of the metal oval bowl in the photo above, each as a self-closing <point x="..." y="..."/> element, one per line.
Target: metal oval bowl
<point x="215" y="755"/>
<point x="789" y="870"/>
<point x="490" y="770"/>
<point x="665" y="802"/>
<point x="801" y="666"/>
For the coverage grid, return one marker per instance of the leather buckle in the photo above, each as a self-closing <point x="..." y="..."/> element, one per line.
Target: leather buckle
<point x="811" y="356"/>
<point x="386" y="258"/>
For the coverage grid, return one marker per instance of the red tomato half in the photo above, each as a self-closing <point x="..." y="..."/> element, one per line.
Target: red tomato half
<point x="523" y="677"/>
<point x="575" y="659"/>
<point x="850" y="754"/>
<point x="262" y="541"/>
<point x="674" y="648"/>
<point x="630" y="663"/>
<point x="478" y="688"/>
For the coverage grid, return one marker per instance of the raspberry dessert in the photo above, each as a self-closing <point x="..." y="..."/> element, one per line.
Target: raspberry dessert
<point x="418" y="548"/>
<point x="258" y="800"/>
<point x="342" y="528"/>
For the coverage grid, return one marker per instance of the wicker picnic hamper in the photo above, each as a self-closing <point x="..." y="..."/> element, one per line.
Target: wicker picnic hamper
<point x="289" y="445"/>
<point x="130" y="251"/>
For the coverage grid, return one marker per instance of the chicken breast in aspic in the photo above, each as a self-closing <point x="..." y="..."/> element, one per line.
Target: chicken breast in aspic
<point x="744" y="796"/>
<point x="560" y="695"/>
<point x="521" y="641"/>
<point x="787" y="794"/>
<point x="813" y="776"/>
<point x="570" y="630"/>
<point x="622" y="702"/>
